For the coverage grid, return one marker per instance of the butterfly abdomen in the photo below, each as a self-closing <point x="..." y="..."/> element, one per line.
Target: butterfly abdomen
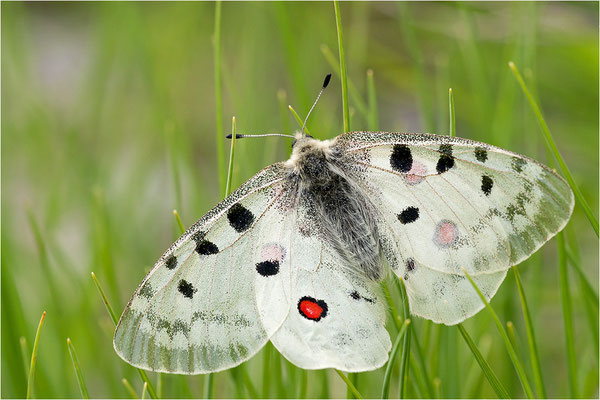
<point x="344" y="216"/>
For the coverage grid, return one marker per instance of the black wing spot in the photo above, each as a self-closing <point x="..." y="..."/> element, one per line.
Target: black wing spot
<point x="240" y="218"/>
<point x="518" y="164"/>
<point x="410" y="266"/>
<point x="446" y="160"/>
<point x="171" y="262"/>
<point x="205" y="248"/>
<point x="481" y="154"/>
<point x="355" y="295"/>
<point x="408" y="215"/>
<point x="268" y="268"/>
<point x="486" y="184"/>
<point x="186" y="289"/>
<point x="401" y="159"/>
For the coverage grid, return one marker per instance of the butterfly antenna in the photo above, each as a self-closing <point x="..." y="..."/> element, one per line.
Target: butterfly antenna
<point x="240" y="136"/>
<point x="325" y="83"/>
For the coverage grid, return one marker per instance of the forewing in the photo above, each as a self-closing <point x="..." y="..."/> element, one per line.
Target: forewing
<point x="448" y="204"/>
<point x="202" y="308"/>
<point x="337" y="317"/>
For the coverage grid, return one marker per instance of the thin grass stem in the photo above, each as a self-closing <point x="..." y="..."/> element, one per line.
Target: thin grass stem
<point x="354" y="94"/>
<point x="385" y="388"/>
<point x="144" y="390"/>
<point x="510" y="329"/>
<point x="421" y="360"/>
<point x="115" y="321"/>
<point x="509" y="348"/>
<point x="343" y="75"/>
<point x="33" y="363"/>
<point x="129" y="388"/>
<point x="298" y="119"/>
<point x="554" y="150"/>
<point x="349" y="384"/>
<point x="452" y="128"/>
<point x="231" y="158"/>
<point x="208" y="386"/>
<point x="393" y="310"/>
<point x="533" y="352"/>
<point x="495" y="383"/>
<point x="565" y="299"/>
<point x="109" y="308"/>
<point x="78" y="373"/>
<point x="179" y="223"/>
<point x="406" y="343"/>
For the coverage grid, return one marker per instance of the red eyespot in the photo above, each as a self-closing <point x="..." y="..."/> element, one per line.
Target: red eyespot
<point x="312" y="309"/>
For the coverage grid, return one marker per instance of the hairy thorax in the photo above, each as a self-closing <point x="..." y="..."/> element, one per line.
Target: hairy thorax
<point x="345" y="218"/>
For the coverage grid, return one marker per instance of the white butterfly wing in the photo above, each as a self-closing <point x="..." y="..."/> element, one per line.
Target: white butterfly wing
<point x="337" y="317"/>
<point x="448" y="204"/>
<point x="218" y="294"/>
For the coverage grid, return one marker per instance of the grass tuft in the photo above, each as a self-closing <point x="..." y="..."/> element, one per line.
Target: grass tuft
<point x="385" y="391"/>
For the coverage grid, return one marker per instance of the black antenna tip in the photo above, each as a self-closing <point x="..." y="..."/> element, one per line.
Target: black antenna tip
<point x="326" y="82"/>
<point x="237" y="136"/>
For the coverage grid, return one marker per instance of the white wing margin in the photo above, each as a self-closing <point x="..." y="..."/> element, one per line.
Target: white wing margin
<point x="208" y="303"/>
<point x="448" y="203"/>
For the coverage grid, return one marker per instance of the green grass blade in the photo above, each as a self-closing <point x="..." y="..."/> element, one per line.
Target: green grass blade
<point x="354" y="94"/>
<point x="552" y="145"/>
<point x="509" y="348"/>
<point x="405" y="344"/>
<point x="510" y="329"/>
<point x="34" y="356"/>
<point x="298" y="119"/>
<point x="485" y="367"/>
<point x="231" y="157"/>
<point x="24" y="354"/>
<point x="219" y="97"/>
<point x="129" y="388"/>
<point x="208" y="386"/>
<point x="385" y="391"/>
<point x="115" y="321"/>
<point x="588" y="289"/>
<point x="533" y="351"/>
<point x="109" y="308"/>
<point x="78" y="374"/>
<point x="565" y="299"/>
<point x="452" y="129"/>
<point x="421" y="360"/>
<point x="372" y="117"/>
<point x="343" y="75"/>
<point x="179" y="223"/>
<point x="392" y="307"/>
<point x="349" y="384"/>
<point x="144" y="390"/>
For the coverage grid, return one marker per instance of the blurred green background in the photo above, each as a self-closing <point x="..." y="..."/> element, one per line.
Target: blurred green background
<point x="108" y="124"/>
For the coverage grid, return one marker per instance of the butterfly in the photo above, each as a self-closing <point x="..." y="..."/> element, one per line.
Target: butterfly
<point x="296" y="255"/>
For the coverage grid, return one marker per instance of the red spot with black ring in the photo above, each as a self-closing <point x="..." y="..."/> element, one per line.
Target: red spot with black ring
<point x="312" y="309"/>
